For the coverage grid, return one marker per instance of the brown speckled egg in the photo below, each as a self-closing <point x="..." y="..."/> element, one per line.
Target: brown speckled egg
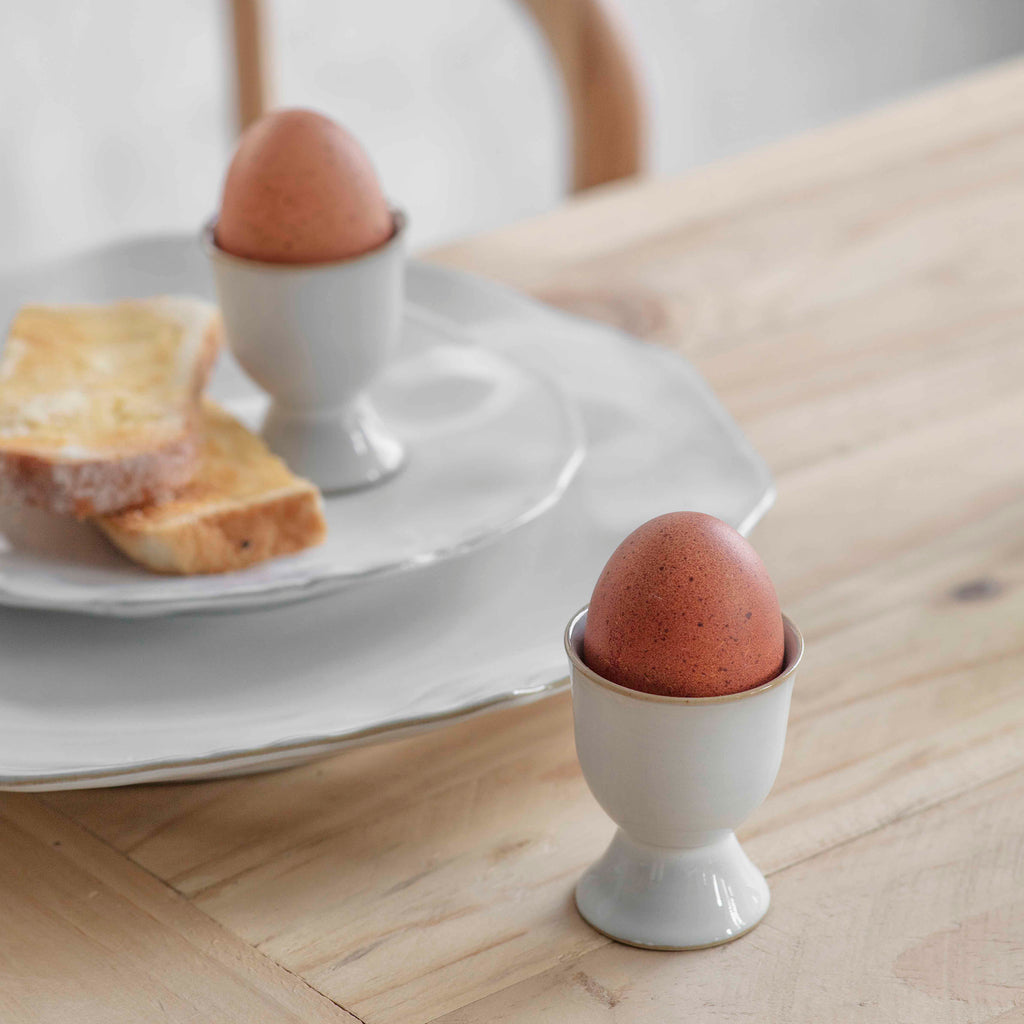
<point x="685" y="608"/>
<point x="301" y="189"/>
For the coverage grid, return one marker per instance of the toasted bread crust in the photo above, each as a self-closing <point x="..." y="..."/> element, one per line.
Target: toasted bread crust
<point x="224" y="541"/>
<point x="87" y="488"/>
<point x="91" y="487"/>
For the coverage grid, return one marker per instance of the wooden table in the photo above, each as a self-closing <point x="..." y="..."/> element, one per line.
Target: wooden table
<point x="856" y="297"/>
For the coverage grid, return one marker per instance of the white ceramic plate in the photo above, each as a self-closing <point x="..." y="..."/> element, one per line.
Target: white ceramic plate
<point x="88" y="701"/>
<point x="491" y="445"/>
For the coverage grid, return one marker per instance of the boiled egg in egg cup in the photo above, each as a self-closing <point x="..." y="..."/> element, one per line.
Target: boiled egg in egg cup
<point x="308" y="260"/>
<point x="678" y="774"/>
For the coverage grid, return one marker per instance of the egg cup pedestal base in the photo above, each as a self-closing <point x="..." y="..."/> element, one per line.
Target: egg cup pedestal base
<point x="662" y="898"/>
<point x="339" y="449"/>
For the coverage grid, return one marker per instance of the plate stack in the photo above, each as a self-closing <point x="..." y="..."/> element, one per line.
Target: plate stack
<point x="536" y="442"/>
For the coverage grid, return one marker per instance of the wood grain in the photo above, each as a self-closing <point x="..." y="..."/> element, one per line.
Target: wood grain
<point x="856" y="299"/>
<point x="882" y="929"/>
<point x="87" y="937"/>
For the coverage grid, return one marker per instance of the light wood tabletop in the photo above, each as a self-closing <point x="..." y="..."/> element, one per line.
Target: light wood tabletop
<point x="856" y="298"/>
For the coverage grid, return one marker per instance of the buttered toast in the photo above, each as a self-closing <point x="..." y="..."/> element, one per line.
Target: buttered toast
<point x="99" y="404"/>
<point x="243" y="506"/>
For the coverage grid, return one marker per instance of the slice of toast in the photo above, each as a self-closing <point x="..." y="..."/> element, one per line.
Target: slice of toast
<point x="99" y="404"/>
<point x="243" y="506"/>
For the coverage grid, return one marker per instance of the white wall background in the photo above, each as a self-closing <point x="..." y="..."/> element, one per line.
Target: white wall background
<point x="116" y="114"/>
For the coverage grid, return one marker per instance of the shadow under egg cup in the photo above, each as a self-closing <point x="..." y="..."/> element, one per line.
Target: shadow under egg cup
<point x="314" y="337"/>
<point x="677" y="775"/>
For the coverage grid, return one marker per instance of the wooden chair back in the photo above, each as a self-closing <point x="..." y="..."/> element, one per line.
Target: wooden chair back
<point x="594" y="57"/>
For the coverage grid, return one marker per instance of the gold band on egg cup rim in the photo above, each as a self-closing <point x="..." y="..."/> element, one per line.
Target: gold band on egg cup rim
<point x="792" y="661"/>
<point x="399" y="220"/>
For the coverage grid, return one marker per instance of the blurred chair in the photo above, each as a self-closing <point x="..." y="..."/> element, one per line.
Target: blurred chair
<point x="593" y="55"/>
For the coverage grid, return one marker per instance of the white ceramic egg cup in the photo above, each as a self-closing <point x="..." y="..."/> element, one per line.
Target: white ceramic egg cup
<point x="677" y="775"/>
<point x="314" y="337"/>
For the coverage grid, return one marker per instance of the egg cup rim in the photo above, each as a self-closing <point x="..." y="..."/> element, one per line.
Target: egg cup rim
<point x="790" y="665"/>
<point x="398" y="217"/>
